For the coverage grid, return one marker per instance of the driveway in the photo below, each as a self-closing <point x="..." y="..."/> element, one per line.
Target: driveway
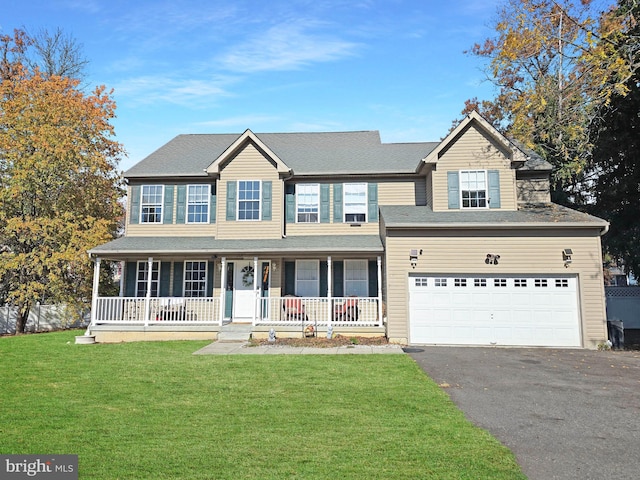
<point x="565" y="414"/>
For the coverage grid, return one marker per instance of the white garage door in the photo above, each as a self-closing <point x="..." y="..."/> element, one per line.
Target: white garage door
<point x="487" y="310"/>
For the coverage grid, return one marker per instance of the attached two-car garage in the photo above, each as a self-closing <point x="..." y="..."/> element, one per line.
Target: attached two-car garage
<point x="494" y="310"/>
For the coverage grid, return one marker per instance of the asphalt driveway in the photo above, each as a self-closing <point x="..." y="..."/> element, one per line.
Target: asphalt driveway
<point x="566" y="414"/>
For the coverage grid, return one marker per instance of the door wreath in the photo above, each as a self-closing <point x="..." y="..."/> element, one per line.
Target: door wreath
<point x="247" y="276"/>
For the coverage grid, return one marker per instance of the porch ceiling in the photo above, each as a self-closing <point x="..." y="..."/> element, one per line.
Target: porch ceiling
<point x="140" y="246"/>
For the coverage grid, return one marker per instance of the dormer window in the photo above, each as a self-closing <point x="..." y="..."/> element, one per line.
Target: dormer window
<point x="473" y="188"/>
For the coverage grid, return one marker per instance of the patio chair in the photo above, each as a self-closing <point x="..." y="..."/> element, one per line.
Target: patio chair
<point x="347" y="310"/>
<point x="293" y="308"/>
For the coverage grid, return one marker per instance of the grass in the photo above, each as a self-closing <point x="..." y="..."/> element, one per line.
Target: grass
<point x="154" y="410"/>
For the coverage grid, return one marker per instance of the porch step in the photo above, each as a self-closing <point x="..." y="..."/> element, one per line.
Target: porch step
<point x="235" y="332"/>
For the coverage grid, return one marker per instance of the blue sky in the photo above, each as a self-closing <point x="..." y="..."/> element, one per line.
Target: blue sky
<point x="210" y="66"/>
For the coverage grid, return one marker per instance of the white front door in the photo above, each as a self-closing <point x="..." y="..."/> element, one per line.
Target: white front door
<point x="244" y="300"/>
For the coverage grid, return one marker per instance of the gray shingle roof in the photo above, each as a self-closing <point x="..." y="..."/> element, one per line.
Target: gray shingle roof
<point x="528" y="216"/>
<point x="331" y="153"/>
<point x="210" y="246"/>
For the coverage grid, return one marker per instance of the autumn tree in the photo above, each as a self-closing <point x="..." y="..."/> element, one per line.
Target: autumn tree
<point x="59" y="184"/>
<point x="554" y="64"/>
<point x="616" y="154"/>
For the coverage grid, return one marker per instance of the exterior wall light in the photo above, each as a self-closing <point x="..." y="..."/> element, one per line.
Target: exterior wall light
<point x="566" y="256"/>
<point x="492" y="259"/>
<point x="413" y="258"/>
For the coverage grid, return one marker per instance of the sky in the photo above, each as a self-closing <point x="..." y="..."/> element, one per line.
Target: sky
<point x="210" y="66"/>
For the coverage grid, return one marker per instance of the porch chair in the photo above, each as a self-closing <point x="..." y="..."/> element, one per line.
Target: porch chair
<point x="293" y="308"/>
<point x="347" y="310"/>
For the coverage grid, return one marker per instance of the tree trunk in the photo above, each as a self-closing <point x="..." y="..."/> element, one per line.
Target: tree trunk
<point x="21" y="320"/>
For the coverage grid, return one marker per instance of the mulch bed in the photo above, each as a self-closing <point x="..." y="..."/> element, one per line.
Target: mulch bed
<point x="323" y="342"/>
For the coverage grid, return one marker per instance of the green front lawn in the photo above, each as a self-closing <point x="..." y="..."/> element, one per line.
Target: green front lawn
<point x="154" y="410"/>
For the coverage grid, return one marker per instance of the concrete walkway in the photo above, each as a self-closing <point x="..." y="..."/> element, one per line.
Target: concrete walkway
<point x="231" y="348"/>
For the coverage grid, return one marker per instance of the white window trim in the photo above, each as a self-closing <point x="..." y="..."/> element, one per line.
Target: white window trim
<point x="145" y="263"/>
<point x="317" y="188"/>
<point x="486" y="188"/>
<point x="366" y="271"/>
<point x="208" y="204"/>
<point x="238" y="201"/>
<point x="184" y="277"/>
<point x="317" y="286"/>
<point x="142" y="204"/>
<point x="366" y="202"/>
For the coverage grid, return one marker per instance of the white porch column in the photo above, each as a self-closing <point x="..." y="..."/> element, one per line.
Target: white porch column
<point x="380" y="290"/>
<point x="329" y="292"/>
<point x="256" y="290"/>
<point x="123" y="265"/>
<point x="147" y="300"/>
<point x="94" y="293"/>
<point x="223" y="287"/>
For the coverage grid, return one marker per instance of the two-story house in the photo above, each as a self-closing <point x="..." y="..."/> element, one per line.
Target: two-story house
<point x="451" y="242"/>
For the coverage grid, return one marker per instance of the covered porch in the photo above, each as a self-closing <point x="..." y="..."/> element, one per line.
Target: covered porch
<point x="186" y="286"/>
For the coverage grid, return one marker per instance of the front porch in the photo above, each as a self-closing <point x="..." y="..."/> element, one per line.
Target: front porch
<point x="184" y="317"/>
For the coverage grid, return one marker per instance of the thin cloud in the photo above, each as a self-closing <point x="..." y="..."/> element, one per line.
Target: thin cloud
<point x="185" y="92"/>
<point x="243" y="121"/>
<point x="286" y="47"/>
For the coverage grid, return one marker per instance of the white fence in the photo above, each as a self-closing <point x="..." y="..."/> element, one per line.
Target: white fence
<point x="43" y="318"/>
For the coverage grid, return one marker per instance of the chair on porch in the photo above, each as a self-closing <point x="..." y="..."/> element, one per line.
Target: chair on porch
<point x="293" y="308"/>
<point x="347" y="310"/>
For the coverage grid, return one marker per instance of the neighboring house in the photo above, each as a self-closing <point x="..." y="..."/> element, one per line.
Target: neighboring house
<point x="451" y="242"/>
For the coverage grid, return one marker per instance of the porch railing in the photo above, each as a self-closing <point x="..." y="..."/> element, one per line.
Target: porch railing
<point x="162" y="310"/>
<point x="320" y="311"/>
<point x="287" y="310"/>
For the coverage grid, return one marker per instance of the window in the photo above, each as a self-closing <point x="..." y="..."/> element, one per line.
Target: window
<point x="562" y="283"/>
<point x="500" y="282"/>
<point x="356" y="278"/>
<point x="473" y="188"/>
<point x="151" y="203"/>
<point x="421" y="281"/>
<point x="440" y="282"/>
<point x="195" y="279"/>
<point x="355" y="202"/>
<point x="142" y="275"/>
<point x="479" y="282"/>
<point x="308" y="203"/>
<point x="248" y="200"/>
<point x="307" y="278"/>
<point x="198" y="204"/>
<point x="520" y="282"/>
<point x="540" y="282"/>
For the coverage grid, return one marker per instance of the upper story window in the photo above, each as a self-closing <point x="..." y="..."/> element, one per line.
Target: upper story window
<point x="151" y="204"/>
<point x="248" y="200"/>
<point x="473" y="188"/>
<point x="307" y="203"/>
<point x="355" y="202"/>
<point x="198" y="203"/>
<point x="142" y="278"/>
<point x="195" y="279"/>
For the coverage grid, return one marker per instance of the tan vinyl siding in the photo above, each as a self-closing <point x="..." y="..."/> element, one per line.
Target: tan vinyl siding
<point x="534" y="189"/>
<point x="402" y="192"/>
<point x="474" y="150"/>
<point x="250" y="164"/>
<point x="295" y="229"/>
<point x="521" y="252"/>
<point x="173" y="230"/>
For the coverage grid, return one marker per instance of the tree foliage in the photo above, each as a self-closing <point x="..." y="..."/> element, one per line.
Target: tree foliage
<point x="555" y="65"/>
<point x="616" y="155"/>
<point x="59" y="183"/>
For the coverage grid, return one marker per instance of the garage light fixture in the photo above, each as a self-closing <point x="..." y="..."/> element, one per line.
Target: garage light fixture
<point x="566" y="256"/>
<point x="413" y="257"/>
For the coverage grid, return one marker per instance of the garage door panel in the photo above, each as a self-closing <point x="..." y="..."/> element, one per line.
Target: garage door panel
<point x="483" y="310"/>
